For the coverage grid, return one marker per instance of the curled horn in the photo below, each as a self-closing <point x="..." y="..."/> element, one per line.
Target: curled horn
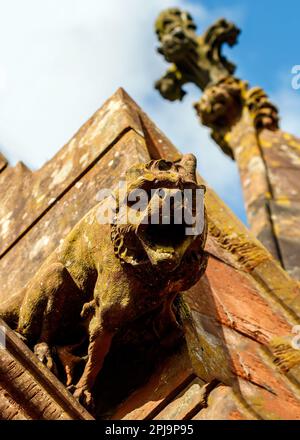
<point x="189" y="163"/>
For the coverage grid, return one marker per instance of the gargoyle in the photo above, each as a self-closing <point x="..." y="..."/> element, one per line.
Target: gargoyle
<point x="103" y="276"/>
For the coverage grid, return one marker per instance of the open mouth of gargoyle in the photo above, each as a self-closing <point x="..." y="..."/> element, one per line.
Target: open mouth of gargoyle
<point x="164" y="244"/>
<point x="164" y="236"/>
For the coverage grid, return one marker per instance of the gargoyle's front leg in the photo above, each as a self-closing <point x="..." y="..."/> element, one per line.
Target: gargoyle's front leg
<point x="100" y="341"/>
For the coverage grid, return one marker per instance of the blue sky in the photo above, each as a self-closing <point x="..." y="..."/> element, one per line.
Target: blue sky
<point x="269" y="42"/>
<point x="61" y="59"/>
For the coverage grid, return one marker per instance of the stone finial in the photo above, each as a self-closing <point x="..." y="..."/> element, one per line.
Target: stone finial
<point x="199" y="59"/>
<point x="196" y="59"/>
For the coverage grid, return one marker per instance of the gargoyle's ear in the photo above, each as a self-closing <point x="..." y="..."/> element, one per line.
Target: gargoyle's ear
<point x="189" y="163"/>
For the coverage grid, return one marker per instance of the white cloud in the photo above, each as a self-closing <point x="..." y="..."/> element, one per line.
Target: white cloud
<point x="60" y="59"/>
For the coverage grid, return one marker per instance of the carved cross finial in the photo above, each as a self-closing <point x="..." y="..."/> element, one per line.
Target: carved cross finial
<point x="243" y="122"/>
<point x="196" y="59"/>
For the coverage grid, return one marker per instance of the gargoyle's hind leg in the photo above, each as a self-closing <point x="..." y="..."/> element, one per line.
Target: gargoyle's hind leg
<point x="100" y="342"/>
<point x="42" y="308"/>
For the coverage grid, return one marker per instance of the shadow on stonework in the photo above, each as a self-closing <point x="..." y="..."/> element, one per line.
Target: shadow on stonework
<point x="135" y="354"/>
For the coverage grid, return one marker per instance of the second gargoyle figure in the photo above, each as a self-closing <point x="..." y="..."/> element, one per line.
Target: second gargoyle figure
<point x="102" y="276"/>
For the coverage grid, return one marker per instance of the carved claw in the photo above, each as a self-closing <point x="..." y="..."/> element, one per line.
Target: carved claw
<point x="84" y="396"/>
<point x="43" y="353"/>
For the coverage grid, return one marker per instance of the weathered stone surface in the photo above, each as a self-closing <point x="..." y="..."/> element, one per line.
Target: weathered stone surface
<point x="282" y="155"/>
<point x="266" y="405"/>
<point x="269" y="165"/>
<point x="10" y="409"/>
<point x="285" y="183"/>
<point x="28" y="390"/>
<point x="187" y="403"/>
<point x="280" y="149"/>
<point x="228" y="292"/>
<point x="286" y="218"/>
<point x="228" y="356"/>
<point x="222" y="405"/>
<point x="240" y="139"/>
<point x="255" y="182"/>
<point x="28" y="196"/>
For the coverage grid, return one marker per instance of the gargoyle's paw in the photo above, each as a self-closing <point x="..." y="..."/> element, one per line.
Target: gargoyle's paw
<point x="84" y="397"/>
<point x="43" y="353"/>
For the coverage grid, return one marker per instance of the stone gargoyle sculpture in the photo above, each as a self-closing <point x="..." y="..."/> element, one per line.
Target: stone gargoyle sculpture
<point x="102" y="276"/>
